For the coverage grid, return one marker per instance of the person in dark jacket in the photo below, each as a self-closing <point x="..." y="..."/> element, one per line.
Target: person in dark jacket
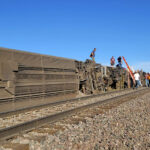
<point x="119" y="61"/>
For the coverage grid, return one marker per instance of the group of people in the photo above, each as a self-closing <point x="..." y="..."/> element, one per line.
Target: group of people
<point x="112" y="61"/>
<point x="136" y="73"/>
<point x="138" y="80"/>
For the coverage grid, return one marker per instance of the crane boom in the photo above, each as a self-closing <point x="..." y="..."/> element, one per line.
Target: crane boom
<point x="130" y="71"/>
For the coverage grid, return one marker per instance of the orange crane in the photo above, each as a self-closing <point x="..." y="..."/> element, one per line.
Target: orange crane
<point x="130" y="71"/>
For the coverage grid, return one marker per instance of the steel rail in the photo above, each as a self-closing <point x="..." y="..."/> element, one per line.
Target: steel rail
<point x="6" y="113"/>
<point x="9" y="132"/>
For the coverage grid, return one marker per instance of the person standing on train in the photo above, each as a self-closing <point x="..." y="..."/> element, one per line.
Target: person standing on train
<point x="112" y="61"/>
<point x="120" y="62"/>
<point x="92" y="55"/>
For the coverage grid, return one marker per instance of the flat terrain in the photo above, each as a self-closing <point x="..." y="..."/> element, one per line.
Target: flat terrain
<point x="125" y="127"/>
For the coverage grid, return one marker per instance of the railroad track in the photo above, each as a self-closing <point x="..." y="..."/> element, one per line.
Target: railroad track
<point x="9" y="132"/>
<point x="10" y="107"/>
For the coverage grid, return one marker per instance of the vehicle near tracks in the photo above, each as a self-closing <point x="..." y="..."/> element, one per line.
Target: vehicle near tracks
<point x="30" y="75"/>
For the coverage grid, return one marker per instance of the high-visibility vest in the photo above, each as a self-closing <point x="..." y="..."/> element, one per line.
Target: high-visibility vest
<point x="146" y="76"/>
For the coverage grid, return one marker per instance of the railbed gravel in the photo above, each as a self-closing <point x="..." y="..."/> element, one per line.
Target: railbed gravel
<point x="37" y="113"/>
<point x="126" y="127"/>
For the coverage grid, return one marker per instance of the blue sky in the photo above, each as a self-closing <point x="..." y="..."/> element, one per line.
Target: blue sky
<point x="72" y="28"/>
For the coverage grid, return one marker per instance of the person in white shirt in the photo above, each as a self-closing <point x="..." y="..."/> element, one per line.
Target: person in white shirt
<point x="137" y="79"/>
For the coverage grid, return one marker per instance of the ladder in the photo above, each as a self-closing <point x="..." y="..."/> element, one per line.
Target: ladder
<point x="130" y="71"/>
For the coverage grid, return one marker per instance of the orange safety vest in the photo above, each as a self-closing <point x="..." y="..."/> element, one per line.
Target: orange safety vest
<point x="146" y="76"/>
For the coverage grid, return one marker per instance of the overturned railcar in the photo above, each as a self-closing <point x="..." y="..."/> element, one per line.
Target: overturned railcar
<point x="30" y="75"/>
<point x="33" y="75"/>
<point x="95" y="78"/>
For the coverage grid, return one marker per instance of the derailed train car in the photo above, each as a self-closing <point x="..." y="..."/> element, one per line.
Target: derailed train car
<point x="33" y="75"/>
<point x="95" y="78"/>
<point x="30" y="75"/>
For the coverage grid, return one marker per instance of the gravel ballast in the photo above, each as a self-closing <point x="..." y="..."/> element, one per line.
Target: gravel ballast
<point x="38" y="113"/>
<point x="125" y="127"/>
